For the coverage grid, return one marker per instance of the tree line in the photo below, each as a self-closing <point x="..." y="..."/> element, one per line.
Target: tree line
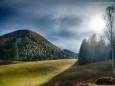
<point x="93" y="50"/>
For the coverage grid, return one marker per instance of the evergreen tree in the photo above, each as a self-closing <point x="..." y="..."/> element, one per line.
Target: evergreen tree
<point x="101" y="50"/>
<point x="92" y="47"/>
<point x="93" y="39"/>
<point x="83" y="52"/>
<point x="14" y="52"/>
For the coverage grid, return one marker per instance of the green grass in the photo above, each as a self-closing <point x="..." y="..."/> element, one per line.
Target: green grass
<point x="32" y="73"/>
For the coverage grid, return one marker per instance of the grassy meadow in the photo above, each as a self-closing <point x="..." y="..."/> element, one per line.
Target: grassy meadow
<point x="53" y="73"/>
<point x="32" y="73"/>
<point x="77" y="75"/>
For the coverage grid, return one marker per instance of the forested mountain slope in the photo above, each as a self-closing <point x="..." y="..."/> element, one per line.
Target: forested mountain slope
<point x="31" y="46"/>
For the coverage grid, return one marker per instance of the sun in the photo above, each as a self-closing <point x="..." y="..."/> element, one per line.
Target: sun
<point x="97" y="24"/>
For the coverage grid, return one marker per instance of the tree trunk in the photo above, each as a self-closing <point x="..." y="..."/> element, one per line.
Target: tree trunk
<point x="109" y="24"/>
<point x="113" y="62"/>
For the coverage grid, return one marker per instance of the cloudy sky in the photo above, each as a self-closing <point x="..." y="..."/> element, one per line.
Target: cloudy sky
<point x="63" y="22"/>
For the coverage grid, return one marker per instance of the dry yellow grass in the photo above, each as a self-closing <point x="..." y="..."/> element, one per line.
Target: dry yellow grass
<point x="32" y="73"/>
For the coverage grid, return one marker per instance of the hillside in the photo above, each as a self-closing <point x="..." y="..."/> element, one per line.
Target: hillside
<point x="71" y="53"/>
<point x="32" y="73"/>
<point x="53" y="73"/>
<point x="31" y="46"/>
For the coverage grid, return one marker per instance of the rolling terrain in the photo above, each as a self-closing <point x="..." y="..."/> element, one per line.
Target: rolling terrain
<point x="32" y="73"/>
<point x="53" y="73"/>
<point x="77" y="75"/>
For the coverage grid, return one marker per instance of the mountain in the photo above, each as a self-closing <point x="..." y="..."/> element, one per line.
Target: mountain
<point x="71" y="53"/>
<point x="31" y="47"/>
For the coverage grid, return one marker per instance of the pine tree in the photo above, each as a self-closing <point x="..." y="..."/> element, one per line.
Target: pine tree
<point x="83" y="53"/>
<point x="14" y="52"/>
<point x="92" y="47"/>
<point x="101" y="50"/>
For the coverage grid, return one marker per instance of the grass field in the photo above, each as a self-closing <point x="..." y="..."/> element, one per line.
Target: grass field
<point x="77" y="75"/>
<point x="32" y="73"/>
<point x="53" y="73"/>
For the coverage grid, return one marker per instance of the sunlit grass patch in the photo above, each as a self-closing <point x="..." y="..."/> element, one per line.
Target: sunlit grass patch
<point x="32" y="73"/>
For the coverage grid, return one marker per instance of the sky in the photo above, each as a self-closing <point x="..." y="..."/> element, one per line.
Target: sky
<point x="65" y="23"/>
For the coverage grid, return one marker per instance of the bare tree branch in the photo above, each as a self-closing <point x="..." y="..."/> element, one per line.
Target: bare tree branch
<point x="110" y="32"/>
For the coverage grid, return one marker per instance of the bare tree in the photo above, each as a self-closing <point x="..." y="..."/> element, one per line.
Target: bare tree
<point x="110" y="32"/>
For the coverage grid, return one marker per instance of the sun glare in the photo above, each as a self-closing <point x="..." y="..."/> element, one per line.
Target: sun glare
<point x="97" y="24"/>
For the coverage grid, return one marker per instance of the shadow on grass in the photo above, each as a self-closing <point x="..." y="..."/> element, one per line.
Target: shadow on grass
<point x="7" y="62"/>
<point x="60" y="79"/>
<point x="75" y="75"/>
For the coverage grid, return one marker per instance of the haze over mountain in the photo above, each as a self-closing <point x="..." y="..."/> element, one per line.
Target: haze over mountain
<point x="31" y="46"/>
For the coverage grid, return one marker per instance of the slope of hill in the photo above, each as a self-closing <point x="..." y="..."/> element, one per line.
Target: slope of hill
<point x="32" y="73"/>
<point x="71" y="53"/>
<point x="31" y="46"/>
<point x="53" y="73"/>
